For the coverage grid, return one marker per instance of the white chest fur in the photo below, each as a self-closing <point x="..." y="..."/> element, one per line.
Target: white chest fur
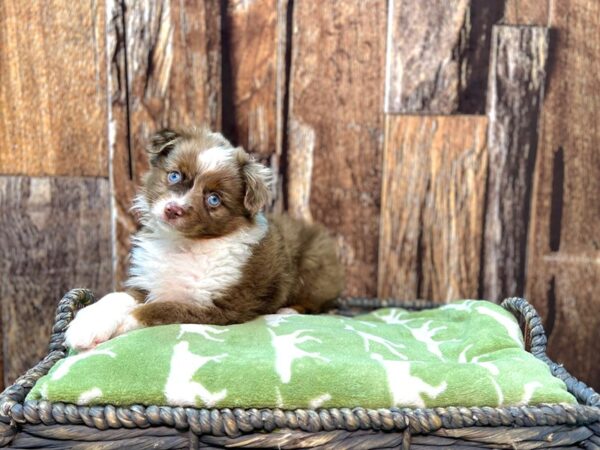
<point x="171" y="268"/>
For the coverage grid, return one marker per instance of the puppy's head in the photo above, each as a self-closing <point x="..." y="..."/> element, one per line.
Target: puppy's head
<point x="199" y="185"/>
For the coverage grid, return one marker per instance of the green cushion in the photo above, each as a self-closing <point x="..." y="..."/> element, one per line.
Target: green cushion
<point x="463" y="354"/>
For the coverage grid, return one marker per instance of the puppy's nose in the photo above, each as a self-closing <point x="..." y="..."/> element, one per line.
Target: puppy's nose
<point x="173" y="210"/>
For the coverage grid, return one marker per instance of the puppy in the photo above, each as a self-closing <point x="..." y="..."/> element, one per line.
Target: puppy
<point x="205" y="253"/>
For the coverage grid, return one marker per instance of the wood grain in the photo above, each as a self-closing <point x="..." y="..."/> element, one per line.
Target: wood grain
<point x="54" y="236"/>
<point x="336" y="127"/>
<point x="165" y="71"/>
<point x="565" y="228"/>
<point x="437" y="55"/>
<point x="515" y="92"/>
<point x="432" y="207"/>
<point x="564" y="289"/>
<point x="527" y="12"/>
<point x="251" y="30"/>
<point x="53" y="88"/>
<point x="254" y="58"/>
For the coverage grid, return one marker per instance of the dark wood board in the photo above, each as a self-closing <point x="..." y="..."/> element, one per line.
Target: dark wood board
<point x="165" y="71"/>
<point x="54" y="236"/>
<point x="437" y="55"/>
<point x="432" y="207"/>
<point x="336" y="127"/>
<point x="517" y="77"/>
<point x="53" y="88"/>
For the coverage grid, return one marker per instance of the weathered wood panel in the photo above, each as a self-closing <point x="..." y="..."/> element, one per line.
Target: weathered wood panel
<point x="254" y="79"/>
<point x="527" y="12"/>
<point x="564" y="289"/>
<point x="54" y="236"/>
<point x="53" y="88"/>
<point x="437" y="55"/>
<point x="251" y="31"/>
<point x="432" y="207"/>
<point x="515" y="92"/>
<point x="565" y="228"/>
<point x="336" y="127"/>
<point x="165" y="70"/>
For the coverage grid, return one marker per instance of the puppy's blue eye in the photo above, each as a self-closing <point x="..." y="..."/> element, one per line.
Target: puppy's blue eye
<point x="174" y="177"/>
<point x="213" y="200"/>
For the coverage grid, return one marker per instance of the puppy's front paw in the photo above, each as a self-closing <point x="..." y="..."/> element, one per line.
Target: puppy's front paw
<point x="287" y="311"/>
<point x="100" y="321"/>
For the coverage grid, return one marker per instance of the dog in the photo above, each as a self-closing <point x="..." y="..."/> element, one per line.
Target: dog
<point x="205" y="252"/>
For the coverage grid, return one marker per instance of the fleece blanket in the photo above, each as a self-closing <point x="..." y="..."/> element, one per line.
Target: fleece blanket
<point x="468" y="353"/>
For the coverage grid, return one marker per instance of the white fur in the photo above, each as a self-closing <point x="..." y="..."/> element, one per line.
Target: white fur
<point x="215" y="157"/>
<point x="287" y="311"/>
<point x="101" y="321"/>
<point x="172" y="268"/>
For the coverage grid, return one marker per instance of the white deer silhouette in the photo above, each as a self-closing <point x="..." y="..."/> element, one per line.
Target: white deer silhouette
<point x="406" y="389"/>
<point x="423" y="334"/>
<point x="392" y="317"/>
<point x="490" y="367"/>
<point x="180" y="389"/>
<point x="64" y="368"/>
<point x="202" y="330"/>
<point x="369" y="338"/>
<point x="287" y="351"/>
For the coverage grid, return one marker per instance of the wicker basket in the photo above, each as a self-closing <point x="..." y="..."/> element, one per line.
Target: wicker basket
<point x="43" y="424"/>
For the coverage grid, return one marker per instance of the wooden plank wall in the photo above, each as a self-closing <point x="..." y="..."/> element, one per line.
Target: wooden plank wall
<point x="449" y="145"/>
<point x="54" y="192"/>
<point x="564" y="244"/>
<point x="335" y="130"/>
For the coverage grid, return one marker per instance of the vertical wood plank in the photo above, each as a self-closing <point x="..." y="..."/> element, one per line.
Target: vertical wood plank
<point x="432" y="207"/>
<point x="517" y="77"/>
<point x="565" y="226"/>
<point x="251" y="30"/>
<point x="336" y="127"/>
<point x="437" y="55"/>
<point x="54" y="235"/>
<point x="254" y="43"/>
<point x="165" y="71"/>
<point x="53" y="88"/>
<point x="563" y="289"/>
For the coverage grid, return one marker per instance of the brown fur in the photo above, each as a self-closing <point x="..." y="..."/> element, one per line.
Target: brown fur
<point x="294" y="265"/>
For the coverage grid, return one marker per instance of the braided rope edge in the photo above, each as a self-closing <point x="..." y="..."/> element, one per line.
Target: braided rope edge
<point x="536" y="336"/>
<point x="234" y="422"/>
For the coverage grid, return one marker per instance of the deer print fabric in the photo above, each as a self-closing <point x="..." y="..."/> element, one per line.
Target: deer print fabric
<point x="468" y="353"/>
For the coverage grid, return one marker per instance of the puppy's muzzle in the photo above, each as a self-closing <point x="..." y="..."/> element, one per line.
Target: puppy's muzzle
<point x="173" y="211"/>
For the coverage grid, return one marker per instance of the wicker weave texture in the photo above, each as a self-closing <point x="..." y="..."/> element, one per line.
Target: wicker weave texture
<point x="34" y="424"/>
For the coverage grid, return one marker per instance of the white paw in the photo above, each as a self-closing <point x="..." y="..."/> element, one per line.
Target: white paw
<point x="287" y="311"/>
<point x="101" y="321"/>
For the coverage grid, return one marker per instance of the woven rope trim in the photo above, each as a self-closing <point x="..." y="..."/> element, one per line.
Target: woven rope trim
<point x="233" y="422"/>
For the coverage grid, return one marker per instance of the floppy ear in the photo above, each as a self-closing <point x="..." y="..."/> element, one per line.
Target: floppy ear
<point x="257" y="178"/>
<point x="161" y="143"/>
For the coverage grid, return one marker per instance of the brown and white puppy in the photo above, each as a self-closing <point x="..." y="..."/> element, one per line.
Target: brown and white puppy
<point x="205" y="252"/>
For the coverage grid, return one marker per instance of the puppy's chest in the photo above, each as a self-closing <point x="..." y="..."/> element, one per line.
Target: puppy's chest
<point x="199" y="272"/>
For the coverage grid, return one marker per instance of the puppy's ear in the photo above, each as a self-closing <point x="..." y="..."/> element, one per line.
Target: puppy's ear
<point x="161" y="143"/>
<point x="257" y="178"/>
